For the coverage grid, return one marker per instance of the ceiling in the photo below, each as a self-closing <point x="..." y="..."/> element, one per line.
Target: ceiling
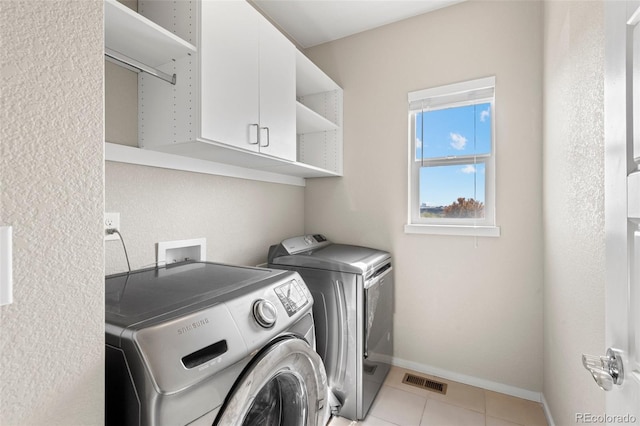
<point x="313" y="22"/>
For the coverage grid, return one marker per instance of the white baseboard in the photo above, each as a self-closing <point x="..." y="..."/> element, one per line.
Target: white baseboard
<point x="470" y="380"/>
<point x="547" y="411"/>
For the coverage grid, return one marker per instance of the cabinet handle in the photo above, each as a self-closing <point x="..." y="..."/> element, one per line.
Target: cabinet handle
<point x="268" y="137"/>
<point x="257" y="127"/>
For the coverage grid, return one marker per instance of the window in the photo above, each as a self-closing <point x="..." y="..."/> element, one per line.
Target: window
<point x="452" y="159"/>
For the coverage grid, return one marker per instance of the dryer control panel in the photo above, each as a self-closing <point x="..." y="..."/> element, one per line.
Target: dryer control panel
<point x="303" y="243"/>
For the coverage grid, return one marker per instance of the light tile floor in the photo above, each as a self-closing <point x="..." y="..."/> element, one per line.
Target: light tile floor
<point x="398" y="404"/>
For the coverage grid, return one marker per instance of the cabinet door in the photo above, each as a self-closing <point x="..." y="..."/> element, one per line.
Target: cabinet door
<point x="277" y="93"/>
<point x="229" y="73"/>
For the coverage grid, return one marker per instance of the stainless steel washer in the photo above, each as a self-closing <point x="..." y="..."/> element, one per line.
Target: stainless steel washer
<point x="353" y="312"/>
<point x="204" y="343"/>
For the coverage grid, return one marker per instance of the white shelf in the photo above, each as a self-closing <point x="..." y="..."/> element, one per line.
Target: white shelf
<point x="309" y="121"/>
<point x="310" y="79"/>
<point x="145" y="157"/>
<point x="198" y="157"/>
<point x="302" y="170"/>
<point x="135" y="36"/>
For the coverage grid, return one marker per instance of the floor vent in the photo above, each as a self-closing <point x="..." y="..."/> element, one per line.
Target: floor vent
<point x="424" y="383"/>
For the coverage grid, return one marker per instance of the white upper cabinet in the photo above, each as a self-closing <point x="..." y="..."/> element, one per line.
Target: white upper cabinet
<point x="248" y="80"/>
<point x="230" y="73"/>
<point x="277" y="93"/>
<point x="237" y="91"/>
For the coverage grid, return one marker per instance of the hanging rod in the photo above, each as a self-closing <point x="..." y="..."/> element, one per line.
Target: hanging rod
<point x="138" y="66"/>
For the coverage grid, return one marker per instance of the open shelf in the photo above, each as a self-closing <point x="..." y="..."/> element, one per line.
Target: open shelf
<point x="135" y="36"/>
<point x="309" y="121"/>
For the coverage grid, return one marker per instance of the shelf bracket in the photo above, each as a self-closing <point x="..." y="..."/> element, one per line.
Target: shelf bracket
<point x="130" y="63"/>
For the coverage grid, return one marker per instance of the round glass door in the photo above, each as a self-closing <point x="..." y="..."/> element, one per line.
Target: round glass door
<point x="285" y="385"/>
<point x="281" y="402"/>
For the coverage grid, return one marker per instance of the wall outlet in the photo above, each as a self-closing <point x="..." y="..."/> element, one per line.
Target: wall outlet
<point x="111" y="222"/>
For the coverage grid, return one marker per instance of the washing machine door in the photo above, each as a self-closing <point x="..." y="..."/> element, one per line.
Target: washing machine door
<point x="284" y="385"/>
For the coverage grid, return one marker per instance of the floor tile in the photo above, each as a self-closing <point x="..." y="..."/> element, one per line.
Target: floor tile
<point x="374" y="421"/>
<point x="492" y="421"/>
<point x="369" y="421"/>
<point x="438" y="413"/>
<point x="398" y="404"/>
<point x="457" y="393"/>
<point x="516" y="410"/>
<point x="461" y="395"/>
<point x="340" y="421"/>
<point x="398" y="407"/>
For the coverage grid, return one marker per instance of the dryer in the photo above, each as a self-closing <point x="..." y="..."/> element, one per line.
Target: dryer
<point x="203" y="343"/>
<point x="353" y="290"/>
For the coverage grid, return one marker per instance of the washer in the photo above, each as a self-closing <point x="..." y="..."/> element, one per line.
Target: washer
<point x="353" y="291"/>
<point x="204" y="343"/>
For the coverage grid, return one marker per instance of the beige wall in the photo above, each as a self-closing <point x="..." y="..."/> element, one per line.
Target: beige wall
<point x="120" y="105"/>
<point x="239" y="218"/>
<point x="573" y="205"/>
<point x="472" y="307"/>
<point x="51" y="168"/>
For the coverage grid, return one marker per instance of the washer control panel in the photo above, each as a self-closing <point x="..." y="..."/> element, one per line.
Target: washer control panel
<point x="292" y="296"/>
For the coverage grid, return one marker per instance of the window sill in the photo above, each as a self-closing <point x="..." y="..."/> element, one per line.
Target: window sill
<point x="460" y="230"/>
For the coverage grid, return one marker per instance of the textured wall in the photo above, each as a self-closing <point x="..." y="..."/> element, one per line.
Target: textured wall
<point x="573" y="205"/>
<point x="51" y="171"/>
<point x="239" y="218"/>
<point x="464" y="305"/>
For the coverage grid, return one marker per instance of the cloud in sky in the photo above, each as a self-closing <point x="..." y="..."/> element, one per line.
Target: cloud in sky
<point x="484" y="114"/>
<point x="418" y="143"/>
<point x="468" y="169"/>
<point x="458" y="142"/>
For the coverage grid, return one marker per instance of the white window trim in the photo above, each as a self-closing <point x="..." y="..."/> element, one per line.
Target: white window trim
<point x="460" y="230"/>
<point x="458" y="94"/>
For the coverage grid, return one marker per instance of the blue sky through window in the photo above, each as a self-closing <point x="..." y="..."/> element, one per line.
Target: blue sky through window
<point x="453" y="132"/>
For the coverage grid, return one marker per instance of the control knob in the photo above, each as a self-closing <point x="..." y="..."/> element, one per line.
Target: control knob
<point x="265" y="313"/>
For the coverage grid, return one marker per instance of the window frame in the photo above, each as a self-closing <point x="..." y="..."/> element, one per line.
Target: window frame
<point x="480" y="91"/>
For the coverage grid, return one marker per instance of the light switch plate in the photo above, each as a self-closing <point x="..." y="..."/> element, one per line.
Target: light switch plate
<point x="6" y="265"/>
